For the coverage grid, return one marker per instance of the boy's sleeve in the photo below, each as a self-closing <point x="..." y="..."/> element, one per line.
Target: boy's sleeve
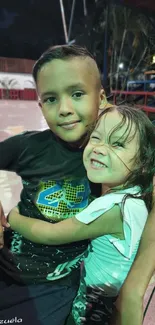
<point x="10" y="150"/>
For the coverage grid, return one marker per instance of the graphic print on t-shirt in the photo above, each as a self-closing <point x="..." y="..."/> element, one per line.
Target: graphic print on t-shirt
<point x="63" y="199"/>
<point x="56" y="201"/>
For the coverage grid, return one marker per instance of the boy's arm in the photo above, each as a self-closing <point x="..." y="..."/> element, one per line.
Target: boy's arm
<point x="9" y="154"/>
<point x="3" y="223"/>
<point x="10" y="150"/>
<point x="66" y="231"/>
<point x="130" y="301"/>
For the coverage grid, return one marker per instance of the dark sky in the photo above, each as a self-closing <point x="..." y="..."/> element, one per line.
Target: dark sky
<point x="28" y="27"/>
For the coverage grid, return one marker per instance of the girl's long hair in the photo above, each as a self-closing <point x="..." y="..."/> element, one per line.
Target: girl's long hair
<point x="144" y="170"/>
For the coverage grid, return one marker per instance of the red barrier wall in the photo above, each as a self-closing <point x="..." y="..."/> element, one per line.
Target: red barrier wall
<point x="18" y="94"/>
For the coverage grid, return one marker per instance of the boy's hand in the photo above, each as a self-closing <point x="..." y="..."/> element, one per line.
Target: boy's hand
<point x="129" y="311"/>
<point x="3" y="224"/>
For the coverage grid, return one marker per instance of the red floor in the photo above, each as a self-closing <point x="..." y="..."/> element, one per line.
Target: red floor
<point x="15" y="117"/>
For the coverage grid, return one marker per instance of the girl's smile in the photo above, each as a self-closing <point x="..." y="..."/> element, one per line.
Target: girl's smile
<point x="96" y="164"/>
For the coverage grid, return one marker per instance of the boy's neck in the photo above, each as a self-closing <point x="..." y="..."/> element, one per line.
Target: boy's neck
<point x="79" y="144"/>
<point x="72" y="145"/>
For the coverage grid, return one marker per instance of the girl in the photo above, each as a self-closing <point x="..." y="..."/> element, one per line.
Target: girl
<point x="120" y="154"/>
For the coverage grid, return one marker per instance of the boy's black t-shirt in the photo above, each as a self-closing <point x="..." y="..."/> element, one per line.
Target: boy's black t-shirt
<point x="55" y="187"/>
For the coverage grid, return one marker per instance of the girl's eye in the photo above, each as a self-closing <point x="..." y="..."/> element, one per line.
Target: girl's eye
<point x="78" y="94"/>
<point x="94" y="138"/>
<point x="118" y="144"/>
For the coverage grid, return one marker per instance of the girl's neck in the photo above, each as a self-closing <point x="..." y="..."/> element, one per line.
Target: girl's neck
<point x="106" y="189"/>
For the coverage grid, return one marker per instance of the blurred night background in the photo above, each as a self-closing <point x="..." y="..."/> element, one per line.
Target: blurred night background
<point x="119" y="33"/>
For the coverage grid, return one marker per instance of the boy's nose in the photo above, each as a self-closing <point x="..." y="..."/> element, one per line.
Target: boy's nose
<point x="66" y="108"/>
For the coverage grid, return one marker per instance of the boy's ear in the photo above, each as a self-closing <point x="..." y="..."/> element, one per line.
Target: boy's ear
<point x="39" y="103"/>
<point x="103" y="100"/>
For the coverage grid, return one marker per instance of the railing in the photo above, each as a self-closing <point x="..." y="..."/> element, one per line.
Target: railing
<point x="146" y="94"/>
<point x="144" y="83"/>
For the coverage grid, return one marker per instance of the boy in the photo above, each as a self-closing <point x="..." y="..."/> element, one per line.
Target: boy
<point x="34" y="277"/>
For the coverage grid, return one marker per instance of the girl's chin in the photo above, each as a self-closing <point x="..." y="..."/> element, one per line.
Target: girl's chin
<point x="93" y="179"/>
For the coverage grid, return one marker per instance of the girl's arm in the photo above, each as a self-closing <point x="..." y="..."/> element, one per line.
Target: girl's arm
<point x="66" y="231"/>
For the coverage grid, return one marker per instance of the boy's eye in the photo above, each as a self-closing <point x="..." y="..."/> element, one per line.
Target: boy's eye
<point x="49" y="99"/>
<point x="118" y="144"/>
<point x="78" y="94"/>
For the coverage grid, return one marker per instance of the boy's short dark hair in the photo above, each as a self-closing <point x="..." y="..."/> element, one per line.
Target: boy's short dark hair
<point x="61" y="52"/>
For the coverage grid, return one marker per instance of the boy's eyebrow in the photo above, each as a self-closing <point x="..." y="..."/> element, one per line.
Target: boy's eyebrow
<point x="77" y="85"/>
<point x="68" y="88"/>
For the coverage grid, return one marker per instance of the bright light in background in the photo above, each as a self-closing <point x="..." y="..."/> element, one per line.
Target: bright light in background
<point x="153" y="59"/>
<point x="121" y="65"/>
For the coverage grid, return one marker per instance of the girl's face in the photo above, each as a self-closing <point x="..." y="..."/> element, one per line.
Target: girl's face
<point x="110" y="161"/>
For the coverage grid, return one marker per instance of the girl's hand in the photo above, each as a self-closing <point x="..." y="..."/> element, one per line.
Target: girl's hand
<point x="153" y="194"/>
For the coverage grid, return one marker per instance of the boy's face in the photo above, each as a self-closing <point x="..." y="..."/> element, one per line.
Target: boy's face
<point x="69" y="97"/>
<point x="110" y="161"/>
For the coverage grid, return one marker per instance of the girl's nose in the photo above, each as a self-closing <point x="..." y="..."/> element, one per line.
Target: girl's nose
<point x="100" y="150"/>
